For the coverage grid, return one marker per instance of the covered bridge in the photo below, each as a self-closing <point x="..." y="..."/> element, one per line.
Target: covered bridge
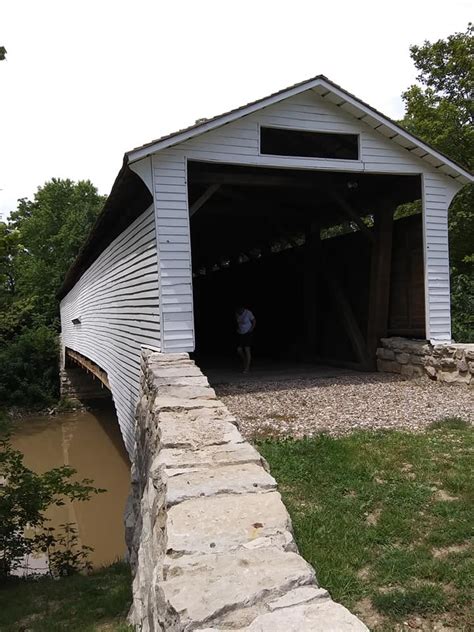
<point x="290" y="204"/>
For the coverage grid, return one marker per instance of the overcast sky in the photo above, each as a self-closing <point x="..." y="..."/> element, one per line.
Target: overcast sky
<point x="86" y="81"/>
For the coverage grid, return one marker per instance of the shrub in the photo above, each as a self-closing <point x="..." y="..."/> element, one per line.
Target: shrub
<point x="29" y="368"/>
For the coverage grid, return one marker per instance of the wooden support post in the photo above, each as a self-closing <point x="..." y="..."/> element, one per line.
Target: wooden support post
<point x="353" y="216"/>
<point x="312" y="276"/>
<point x="379" y="290"/>
<point x="348" y="319"/>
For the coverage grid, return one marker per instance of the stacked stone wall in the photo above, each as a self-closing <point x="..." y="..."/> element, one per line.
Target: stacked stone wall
<point x="450" y="363"/>
<point x="210" y="542"/>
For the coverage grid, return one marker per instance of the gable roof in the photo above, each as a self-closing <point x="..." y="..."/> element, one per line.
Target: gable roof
<point x="336" y="95"/>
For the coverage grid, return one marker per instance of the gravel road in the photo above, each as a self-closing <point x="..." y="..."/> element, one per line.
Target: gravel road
<point x="338" y="405"/>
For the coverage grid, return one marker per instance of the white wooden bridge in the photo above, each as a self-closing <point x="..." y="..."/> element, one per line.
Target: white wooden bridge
<point x="239" y="208"/>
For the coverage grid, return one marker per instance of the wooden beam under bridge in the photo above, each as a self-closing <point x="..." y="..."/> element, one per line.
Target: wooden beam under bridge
<point x="89" y="366"/>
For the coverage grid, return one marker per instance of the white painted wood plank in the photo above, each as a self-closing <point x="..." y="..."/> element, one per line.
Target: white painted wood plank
<point x="117" y="299"/>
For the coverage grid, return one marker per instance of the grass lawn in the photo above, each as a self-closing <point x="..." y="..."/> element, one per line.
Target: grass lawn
<point x="81" y="603"/>
<point x="386" y="518"/>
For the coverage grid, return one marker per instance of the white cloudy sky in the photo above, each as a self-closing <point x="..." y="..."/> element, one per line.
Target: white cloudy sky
<point x="87" y="80"/>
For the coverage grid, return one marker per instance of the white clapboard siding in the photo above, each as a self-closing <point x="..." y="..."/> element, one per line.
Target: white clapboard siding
<point x="239" y="142"/>
<point x="437" y="196"/>
<point x="170" y="192"/>
<point x="117" y="301"/>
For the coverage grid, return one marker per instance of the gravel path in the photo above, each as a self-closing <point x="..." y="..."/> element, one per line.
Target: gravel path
<point x="306" y="406"/>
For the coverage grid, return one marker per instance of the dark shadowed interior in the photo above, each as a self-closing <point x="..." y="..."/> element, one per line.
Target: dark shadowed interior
<point x="315" y="255"/>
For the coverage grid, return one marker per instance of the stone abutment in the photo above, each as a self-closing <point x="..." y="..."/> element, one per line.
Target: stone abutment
<point x="210" y="542"/>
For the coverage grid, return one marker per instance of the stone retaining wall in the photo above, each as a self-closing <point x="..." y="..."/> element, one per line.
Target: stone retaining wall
<point x="451" y="363"/>
<point x="210" y="542"/>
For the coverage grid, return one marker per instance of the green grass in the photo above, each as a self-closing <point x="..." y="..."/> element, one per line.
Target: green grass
<point x="81" y="603"/>
<point x="386" y="519"/>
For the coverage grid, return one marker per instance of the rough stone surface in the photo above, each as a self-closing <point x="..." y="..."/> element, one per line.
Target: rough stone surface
<point x="447" y="363"/>
<point x="218" y="523"/>
<point x="208" y="456"/>
<point x="196" y="431"/>
<point x="210" y="542"/>
<point x="321" y="616"/>
<point x="227" y="479"/>
<point x="298" y="596"/>
<point x="202" y="587"/>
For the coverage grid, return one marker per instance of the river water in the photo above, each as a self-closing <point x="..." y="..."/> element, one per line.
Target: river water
<point x="91" y="443"/>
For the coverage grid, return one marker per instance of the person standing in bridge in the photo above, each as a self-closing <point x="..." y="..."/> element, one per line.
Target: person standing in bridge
<point x="245" y="326"/>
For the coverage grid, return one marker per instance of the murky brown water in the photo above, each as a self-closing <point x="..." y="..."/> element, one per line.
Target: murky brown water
<point x="91" y="443"/>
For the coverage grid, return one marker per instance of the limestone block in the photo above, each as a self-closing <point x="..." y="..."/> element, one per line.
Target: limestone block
<point x="462" y="366"/>
<point x="417" y="360"/>
<point x="405" y="345"/>
<point x="167" y="357"/>
<point x="202" y="586"/>
<point x="188" y="370"/>
<point x="227" y="479"/>
<point x="208" y="456"/>
<point x="441" y="351"/>
<point x="180" y="381"/>
<point x="462" y="378"/>
<point x="385" y="354"/>
<point x="402" y="358"/>
<point x="187" y="392"/>
<point x="471" y="367"/>
<point x="298" y="596"/>
<point x="385" y="366"/>
<point x="225" y="522"/>
<point x="469" y="352"/>
<point x="418" y="371"/>
<point x="407" y="370"/>
<point x="448" y="363"/>
<point x="448" y="376"/>
<point x="176" y="403"/>
<point x="321" y="616"/>
<point x="431" y="372"/>
<point x="180" y="430"/>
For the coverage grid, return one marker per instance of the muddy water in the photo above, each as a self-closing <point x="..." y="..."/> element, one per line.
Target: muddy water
<point x="91" y="443"/>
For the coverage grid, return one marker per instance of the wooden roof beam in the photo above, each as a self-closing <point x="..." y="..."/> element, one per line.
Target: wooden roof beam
<point x="353" y="215"/>
<point x="208" y="193"/>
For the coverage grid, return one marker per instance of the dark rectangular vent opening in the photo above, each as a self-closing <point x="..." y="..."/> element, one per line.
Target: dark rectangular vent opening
<point x="291" y="142"/>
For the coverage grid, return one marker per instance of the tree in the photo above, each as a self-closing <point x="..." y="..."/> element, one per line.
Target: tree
<point x="441" y="111"/>
<point x="3" y="53"/>
<point x="37" y="246"/>
<point x="52" y="228"/>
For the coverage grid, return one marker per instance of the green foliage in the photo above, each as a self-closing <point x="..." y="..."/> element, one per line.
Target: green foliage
<point x="65" y="555"/>
<point x="95" y="602"/>
<point x="24" y="497"/>
<point x="29" y="368"/>
<point x="37" y="246"/>
<point x="52" y="228"/>
<point x="441" y="111"/>
<point x="462" y="306"/>
<point x="3" y="53"/>
<point x="450" y="423"/>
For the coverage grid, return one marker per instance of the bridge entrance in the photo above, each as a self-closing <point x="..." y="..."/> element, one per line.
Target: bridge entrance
<point x="316" y="256"/>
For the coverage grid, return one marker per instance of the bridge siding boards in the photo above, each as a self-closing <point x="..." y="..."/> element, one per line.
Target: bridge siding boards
<point x="170" y="190"/>
<point x="117" y="301"/>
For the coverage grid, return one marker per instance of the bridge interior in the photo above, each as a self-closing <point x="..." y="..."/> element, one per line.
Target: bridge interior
<point x="315" y="255"/>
